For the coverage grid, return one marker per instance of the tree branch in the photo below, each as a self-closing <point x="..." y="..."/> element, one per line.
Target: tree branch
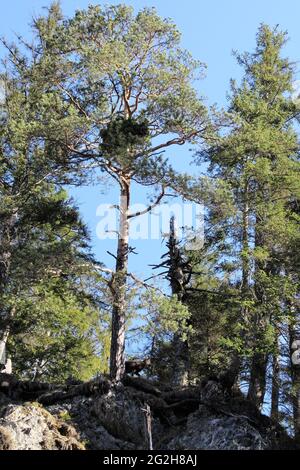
<point x="149" y="208"/>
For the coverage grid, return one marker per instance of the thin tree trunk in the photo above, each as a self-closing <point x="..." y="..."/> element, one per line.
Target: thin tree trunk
<point x="6" y="315"/>
<point x="148" y="427"/>
<point x="275" y="388"/>
<point x="275" y="382"/>
<point x="177" y="280"/>
<point x="294" y="337"/>
<point x="117" y="353"/>
<point x="232" y="374"/>
<point x="3" y="343"/>
<point x="257" y="383"/>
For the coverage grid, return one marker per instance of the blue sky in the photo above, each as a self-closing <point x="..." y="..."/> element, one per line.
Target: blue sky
<point x="210" y="30"/>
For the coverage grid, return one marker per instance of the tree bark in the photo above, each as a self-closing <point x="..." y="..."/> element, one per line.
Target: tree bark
<point x="181" y="365"/>
<point x="119" y="282"/>
<point x="6" y="314"/>
<point x="275" y="386"/>
<point x="294" y="337"/>
<point x="257" y="383"/>
<point x="232" y="374"/>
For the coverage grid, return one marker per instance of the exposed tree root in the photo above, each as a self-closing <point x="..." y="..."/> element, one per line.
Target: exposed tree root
<point x="141" y="384"/>
<point x="48" y="394"/>
<point x="172" y="408"/>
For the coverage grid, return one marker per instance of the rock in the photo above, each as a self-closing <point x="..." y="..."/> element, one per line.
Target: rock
<point x="208" y="431"/>
<point x="107" y="416"/>
<point x="122" y="415"/>
<point x="88" y="425"/>
<point x="31" y="427"/>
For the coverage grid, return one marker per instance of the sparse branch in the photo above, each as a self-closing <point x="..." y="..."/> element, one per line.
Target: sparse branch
<point x="149" y="208"/>
<point x="73" y="100"/>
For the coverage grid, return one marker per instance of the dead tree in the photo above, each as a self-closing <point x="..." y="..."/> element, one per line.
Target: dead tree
<point x="178" y="272"/>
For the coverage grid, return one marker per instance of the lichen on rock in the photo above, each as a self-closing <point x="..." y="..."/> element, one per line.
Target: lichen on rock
<point x="31" y="427"/>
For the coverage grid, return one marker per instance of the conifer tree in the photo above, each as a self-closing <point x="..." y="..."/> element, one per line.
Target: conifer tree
<point x="44" y="244"/>
<point x="116" y="91"/>
<point x="258" y="160"/>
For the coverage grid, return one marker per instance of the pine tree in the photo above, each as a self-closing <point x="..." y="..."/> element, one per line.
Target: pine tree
<point x="116" y="91"/>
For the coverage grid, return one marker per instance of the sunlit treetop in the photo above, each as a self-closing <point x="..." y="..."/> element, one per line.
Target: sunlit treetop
<point x="109" y="64"/>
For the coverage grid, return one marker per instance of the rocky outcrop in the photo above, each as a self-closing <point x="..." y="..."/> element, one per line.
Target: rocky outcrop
<point x="101" y="415"/>
<point x="210" y="431"/>
<point x="31" y="427"/>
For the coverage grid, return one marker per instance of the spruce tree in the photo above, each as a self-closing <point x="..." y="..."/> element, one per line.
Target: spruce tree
<point x="258" y="160"/>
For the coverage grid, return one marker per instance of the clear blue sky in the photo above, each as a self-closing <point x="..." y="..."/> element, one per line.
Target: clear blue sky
<point x="211" y="29"/>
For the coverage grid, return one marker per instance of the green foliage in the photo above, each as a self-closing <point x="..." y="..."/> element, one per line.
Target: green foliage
<point x="112" y="89"/>
<point x="86" y="76"/>
<point x="123" y="137"/>
<point x="57" y="333"/>
<point x="165" y="316"/>
<point x="47" y="277"/>
<point x="257" y="161"/>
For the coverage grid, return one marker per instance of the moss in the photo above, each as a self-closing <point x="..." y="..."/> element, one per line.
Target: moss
<point x="65" y="416"/>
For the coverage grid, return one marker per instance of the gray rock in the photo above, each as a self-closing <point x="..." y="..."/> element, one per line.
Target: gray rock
<point x="31" y="427"/>
<point x="121" y="415"/>
<point x="207" y="431"/>
<point x="114" y="420"/>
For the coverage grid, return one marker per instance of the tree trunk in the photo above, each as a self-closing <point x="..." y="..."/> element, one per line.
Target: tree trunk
<point x="6" y="315"/>
<point x="181" y="364"/>
<point x="176" y="276"/>
<point x="5" y="362"/>
<point x="119" y="282"/>
<point x="257" y="384"/>
<point x="275" y="385"/>
<point x="294" y="338"/>
<point x="232" y="374"/>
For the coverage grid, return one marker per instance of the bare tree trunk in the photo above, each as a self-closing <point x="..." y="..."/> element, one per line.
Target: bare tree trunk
<point x="4" y="361"/>
<point x="148" y="427"/>
<point x="119" y="283"/>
